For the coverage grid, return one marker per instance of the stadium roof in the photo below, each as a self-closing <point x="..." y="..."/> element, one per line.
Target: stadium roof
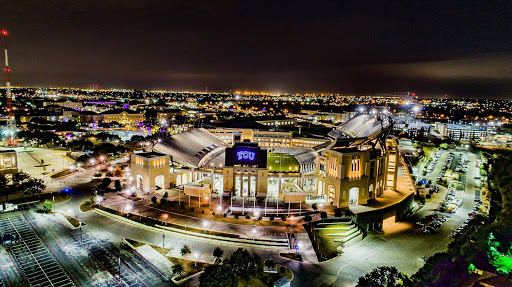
<point x="362" y="126"/>
<point x="192" y="148"/>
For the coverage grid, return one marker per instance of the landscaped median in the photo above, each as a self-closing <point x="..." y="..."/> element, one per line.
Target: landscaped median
<point x="177" y="230"/>
<point x="161" y="260"/>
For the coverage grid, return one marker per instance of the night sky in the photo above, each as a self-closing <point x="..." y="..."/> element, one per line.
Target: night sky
<point x="459" y="48"/>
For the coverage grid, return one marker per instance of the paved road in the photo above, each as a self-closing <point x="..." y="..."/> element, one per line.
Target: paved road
<point x="403" y="245"/>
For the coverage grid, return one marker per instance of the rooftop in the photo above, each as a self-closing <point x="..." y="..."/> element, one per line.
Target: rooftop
<point x="150" y="154"/>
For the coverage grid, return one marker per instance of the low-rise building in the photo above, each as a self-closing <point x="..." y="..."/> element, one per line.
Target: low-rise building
<point x="8" y="164"/>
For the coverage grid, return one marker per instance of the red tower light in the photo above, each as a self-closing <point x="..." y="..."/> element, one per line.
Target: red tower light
<point x="4" y="32"/>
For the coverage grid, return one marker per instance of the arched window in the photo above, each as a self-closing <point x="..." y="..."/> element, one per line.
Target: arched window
<point x="332" y="193"/>
<point x="159" y="182"/>
<point x="140" y="181"/>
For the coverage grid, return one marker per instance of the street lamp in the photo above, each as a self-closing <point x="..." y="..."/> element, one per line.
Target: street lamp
<point x="196" y="256"/>
<point x="205" y="225"/>
<point x="165" y="216"/>
<point x="128" y="208"/>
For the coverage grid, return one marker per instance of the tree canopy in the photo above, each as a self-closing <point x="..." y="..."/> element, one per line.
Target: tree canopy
<point x="384" y="276"/>
<point x="218" y="275"/>
<point x="244" y="264"/>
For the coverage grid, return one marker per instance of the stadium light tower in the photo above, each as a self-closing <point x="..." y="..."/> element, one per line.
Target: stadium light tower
<point x="11" y="122"/>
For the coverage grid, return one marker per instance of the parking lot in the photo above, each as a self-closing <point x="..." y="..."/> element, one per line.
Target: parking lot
<point x="47" y="253"/>
<point x="35" y="260"/>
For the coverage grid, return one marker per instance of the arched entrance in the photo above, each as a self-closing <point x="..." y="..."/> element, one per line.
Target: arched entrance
<point x="140" y="181"/>
<point x="159" y="182"/>
<point x="184" y="179"/>
<point x="353" y="195"/>
<point x="332" y="193"/>
<point x="320" y="187"/>
<point x="178" y="180"/>
<point x="370" y="190"/>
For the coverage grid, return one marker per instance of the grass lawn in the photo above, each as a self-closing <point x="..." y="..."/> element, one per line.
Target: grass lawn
<point x="288" y="163"/>
<point x="324" y="245"/>
<point x="332" y="226"/>
<point x="59" y="197"/>
<point x="266" y="279"/>
<point x="88" y="205"/>
<point x="428" y="149"/>
<point x="73" y="221"/>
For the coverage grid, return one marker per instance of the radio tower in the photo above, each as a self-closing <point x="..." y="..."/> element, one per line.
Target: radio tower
<point x="11" y="121"/>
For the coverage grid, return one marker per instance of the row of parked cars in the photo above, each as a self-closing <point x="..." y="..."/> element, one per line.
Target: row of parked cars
<point x="462" y="164"/>
<point x="476" y="208"/>
<point x="462" y="228"/>
<point x="434" y="159"/>
<point x="440" y="177"/>
<point x="431" y="222"/>
<point x="448" y="161"/>
<point x="7" y="239"/>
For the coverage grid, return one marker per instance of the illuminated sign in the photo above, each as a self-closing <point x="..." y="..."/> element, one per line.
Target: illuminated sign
<point x="243" y="154"/>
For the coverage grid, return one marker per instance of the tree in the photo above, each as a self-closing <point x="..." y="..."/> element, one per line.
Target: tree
<point x="348" y="212"/>
<point x="323" y="215"/>
<point x="283" y="217"/>
<point x="117" y="172"/>
<point x="47" y="206"/>
<point x="137" y="138"/>
<point x="270" y="263"/>
<point x="338" y="212"/>
<point x="34" y="185"/>
<point x="163" y="201"/>
<point x="6" y="190"/>
<point x="314" y="206"/>
<point x="153" y="199"/>
<point x="166" y="195"/>
<point x="308" y="218"/>
<point x="117" y="185"/>
<point x="185" y="250"/>
<point x="105" y="182"/>
<point x="244" y="264"/>
<point x="20" y="177"/>
<point x="218" y="275"/>
<point x="177" y="269"/>
<point x="384" y="276"/>
<point x="218" y="252"/>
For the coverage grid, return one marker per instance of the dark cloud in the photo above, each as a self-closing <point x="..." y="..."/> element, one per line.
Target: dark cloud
<point x="289" y="46"/>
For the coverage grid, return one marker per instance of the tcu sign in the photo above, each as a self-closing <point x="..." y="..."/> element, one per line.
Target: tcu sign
<point x="250" y="155"/>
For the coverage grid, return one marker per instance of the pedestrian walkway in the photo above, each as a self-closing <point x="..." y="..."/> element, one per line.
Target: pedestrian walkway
<point x="306" y="249"/>
<point x="143" y="208"/>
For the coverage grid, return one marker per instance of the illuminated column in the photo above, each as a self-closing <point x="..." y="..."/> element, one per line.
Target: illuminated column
<point x="249" y="185"/>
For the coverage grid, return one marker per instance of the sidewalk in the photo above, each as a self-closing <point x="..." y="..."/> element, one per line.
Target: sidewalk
<point x="143" y="208"/>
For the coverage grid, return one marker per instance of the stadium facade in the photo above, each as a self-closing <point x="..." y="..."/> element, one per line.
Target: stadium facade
<point x="356" y="163"/>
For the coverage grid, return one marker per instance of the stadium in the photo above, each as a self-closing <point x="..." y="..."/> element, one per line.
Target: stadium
<point x="355" y="166"/>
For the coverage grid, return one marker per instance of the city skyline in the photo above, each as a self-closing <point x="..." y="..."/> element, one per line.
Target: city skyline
<point x="453" y="49"/>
